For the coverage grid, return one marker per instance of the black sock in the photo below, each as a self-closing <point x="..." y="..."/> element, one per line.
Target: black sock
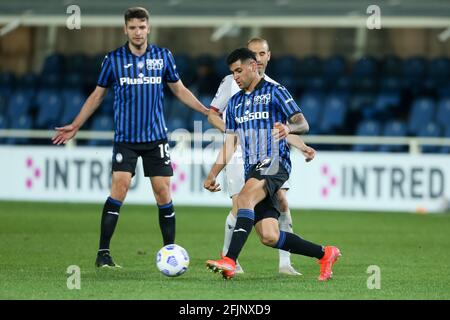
<point x="167" y="222"/>
<point x="242" y="229"/>
<point x="295" y="244"/>
<point x="110" y="216"/>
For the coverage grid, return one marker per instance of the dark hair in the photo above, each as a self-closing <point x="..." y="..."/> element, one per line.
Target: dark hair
<point x="242" y="54"/>
<point x="136" y="13"/>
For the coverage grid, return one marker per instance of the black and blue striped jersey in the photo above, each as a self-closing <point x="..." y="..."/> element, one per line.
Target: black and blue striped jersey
<point x="138" y="84"/>
<point x="253" y="115"/>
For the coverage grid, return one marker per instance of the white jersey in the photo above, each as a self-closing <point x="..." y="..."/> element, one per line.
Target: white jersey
<point x="235" y="168"/>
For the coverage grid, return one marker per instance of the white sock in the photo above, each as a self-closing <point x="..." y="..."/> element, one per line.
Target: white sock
<point x="230" y="223"/>
<point x="285" y="224"/>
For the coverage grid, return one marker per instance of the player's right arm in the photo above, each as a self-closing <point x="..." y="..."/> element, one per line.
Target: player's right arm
<point x="224" y="156"/>
<point x="215" y="119"/>
<point x="105" y="79"/>
<point x="64" y="134"/>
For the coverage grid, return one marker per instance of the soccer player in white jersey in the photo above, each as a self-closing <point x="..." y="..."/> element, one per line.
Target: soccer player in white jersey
<point x="235" y="170"/>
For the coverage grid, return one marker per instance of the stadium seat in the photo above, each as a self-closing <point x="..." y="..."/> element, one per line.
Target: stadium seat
<point x="334" y="116"/>
<point x="422" y="111"/>
<point x="49" y="112"/>
<point x="334" y="67"/>
<point x="443" y="113"/>
<point x="53" y="64"/>
<point x="367" y="128"/>
<point x="22" y="122"/>
<point x="220" y="66"/>
<point x="394" y="128"/>
<point x="391" y="66"/>
<point x="439" y="68"/>
<point x="309" y="67"/>
<point x="311" y="106"/>
<point x="385" y="104"/>
<point x="19" y="104"/>
<point x="76" y="63"/>
<point x="430" y="130"/>
<point x="72" y="101"/>
<point x="7" y="83"/>
<point x="446" y="149"/>
<point x="285" y="66"/>
<point x="101" y="123"/>
<point x="390" y="85"/>
<point x="3" y="105"/>
<point x="3" y="125"/>
<point x="414" y="67"/>
<point x="365" y="67"/>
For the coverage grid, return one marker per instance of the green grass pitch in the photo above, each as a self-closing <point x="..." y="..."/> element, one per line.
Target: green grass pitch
<point x="38" y="241"/>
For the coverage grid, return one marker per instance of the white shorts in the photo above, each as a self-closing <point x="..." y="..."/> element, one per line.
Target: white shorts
<point x="235" y="176"/>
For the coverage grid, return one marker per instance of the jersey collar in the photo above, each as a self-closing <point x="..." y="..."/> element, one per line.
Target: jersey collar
<point x="127" y="48"/>
<point x="258" y="86"/>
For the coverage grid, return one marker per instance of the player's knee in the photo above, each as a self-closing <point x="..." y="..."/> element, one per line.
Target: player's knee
<point x="120" y="190"/>
<point x="162" y="195"/>
<point x="244" y="200"/>
<point x="269" y="238"/>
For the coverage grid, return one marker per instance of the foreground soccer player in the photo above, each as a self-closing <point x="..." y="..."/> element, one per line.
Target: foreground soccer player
<point x="234" y="171"/>
<point x="257" y="115"/>
<point x="137" y="71"/>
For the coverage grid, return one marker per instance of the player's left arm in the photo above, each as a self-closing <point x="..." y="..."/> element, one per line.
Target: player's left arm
<point x="308" y="152"/>
<point x="224" y="156"/>
<point x="297" y="123"/>
<point x="187" y="97"/>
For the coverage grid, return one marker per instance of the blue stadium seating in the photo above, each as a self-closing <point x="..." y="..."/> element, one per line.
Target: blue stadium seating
<point x="49" y="112"/>
<point x="3" y="125"/>
<point x="101" y="123"/>
<point x="309" y="67"/>
<point x="385" y="103"/>
<point x="285" y="66"/>
<point x="367" y="128"/>
<point x="311" y="106"/>
<point x="334" y="67"/>
<point x="21" y="122"/>
<point x="394" y="128"/>
<point x="3" y="104"/>
<point x="19" y="104"/>
<point x="365" y="67"/>
<point x="430" y="130"/>
<point x="443" y="113"/>
<point x="72" y="101"/>
<point x="446" y="149"/>
<point x="391" y="66"/>
<point x="334" y="116"/>
<point x="422" y="111"/>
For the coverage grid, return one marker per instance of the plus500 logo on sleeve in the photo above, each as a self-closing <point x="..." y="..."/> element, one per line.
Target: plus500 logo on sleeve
<point x="253" y="116"/>
<point x="141" y="80"/>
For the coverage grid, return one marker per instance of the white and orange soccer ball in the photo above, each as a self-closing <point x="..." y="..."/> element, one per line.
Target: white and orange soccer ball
<point x="172" y="260"/>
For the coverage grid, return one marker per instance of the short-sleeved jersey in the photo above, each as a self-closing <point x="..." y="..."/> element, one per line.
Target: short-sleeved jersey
<point x="228" y="88"/>
<point x="138" y="84"/>
<point x="253" y="115"/>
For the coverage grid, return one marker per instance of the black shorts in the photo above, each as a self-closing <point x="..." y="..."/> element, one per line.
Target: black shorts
<point x="268" y="207"/>
<point x="155" y="158"/>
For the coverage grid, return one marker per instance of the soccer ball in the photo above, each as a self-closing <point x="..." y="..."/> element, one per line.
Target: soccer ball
<point x="172" y="260"/>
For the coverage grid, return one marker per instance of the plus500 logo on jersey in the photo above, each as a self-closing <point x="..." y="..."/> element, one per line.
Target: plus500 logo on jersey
<point x="142" y="80"/>
<point x="253" y="116"/>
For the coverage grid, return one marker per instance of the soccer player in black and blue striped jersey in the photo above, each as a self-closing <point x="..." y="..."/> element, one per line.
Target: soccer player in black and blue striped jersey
<point x="137" y="72"/>
<point x="261" y="116"/>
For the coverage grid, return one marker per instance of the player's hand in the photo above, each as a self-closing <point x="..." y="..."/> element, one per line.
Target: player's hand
<point x="280" y="131"/>
<point x="309" y="153"/>
<point x="64" y="134"/>
<point x="211" y="185"/>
